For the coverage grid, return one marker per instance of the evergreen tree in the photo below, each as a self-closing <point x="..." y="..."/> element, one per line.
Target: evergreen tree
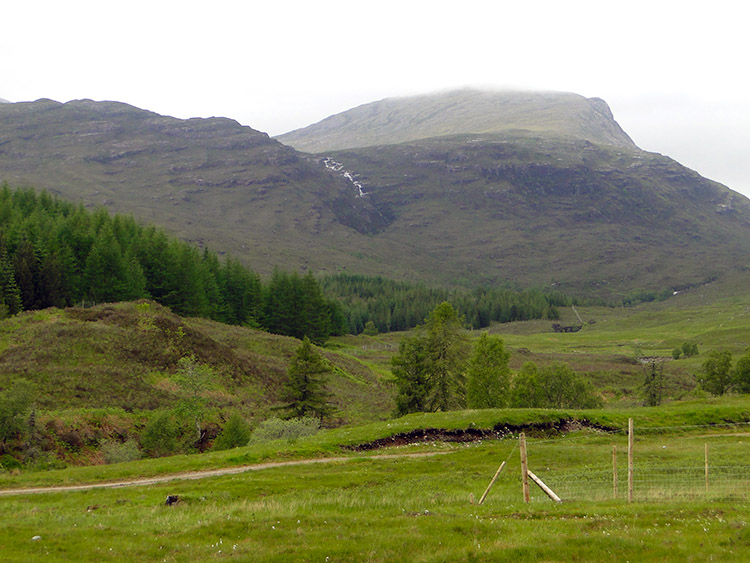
<point x="653" y="384"/>
<point x="10" y="295"/>
<point x="410" y="369"/>
<point x="488" y="375"/>
<point x="304" y="390"/>
<point x="26" y="271"/>
<point x="314" y="316"/>
<point x="448" y="349"/>
<point x="430" y="366"/>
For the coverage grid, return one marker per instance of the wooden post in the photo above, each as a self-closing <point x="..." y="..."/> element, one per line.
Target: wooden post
<point x="484" y="496"/>
<point x="524" y="468"/>
<point x="614" y="471"/>
<point x="550" y="493"/>
<point x="630" y="460"/>
<point x="706" y="458"/>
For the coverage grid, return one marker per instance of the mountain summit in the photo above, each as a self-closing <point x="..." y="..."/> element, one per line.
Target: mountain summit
<point x="398" y="120"/>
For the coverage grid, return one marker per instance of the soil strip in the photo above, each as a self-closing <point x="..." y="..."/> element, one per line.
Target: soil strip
<point x="204" y="474"/>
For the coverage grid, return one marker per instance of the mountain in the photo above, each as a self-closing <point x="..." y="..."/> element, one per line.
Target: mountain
<point x="456" y="188"/>
<point x="536" y="188"/>
<point x="210" y="181"/>
<point x="398" y="120"/>
<point x="4" y="101"/>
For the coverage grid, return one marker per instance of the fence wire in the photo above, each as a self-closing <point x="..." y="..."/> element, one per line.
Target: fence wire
<point x="670" y="469"/>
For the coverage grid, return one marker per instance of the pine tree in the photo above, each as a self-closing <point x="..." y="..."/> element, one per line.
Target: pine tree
<point x="410" y="369"/>
<point x="10" y="295"/>
<point x="304" y="391"/>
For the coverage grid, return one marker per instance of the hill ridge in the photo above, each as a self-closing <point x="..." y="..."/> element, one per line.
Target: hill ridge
<point x="465" y="111"/>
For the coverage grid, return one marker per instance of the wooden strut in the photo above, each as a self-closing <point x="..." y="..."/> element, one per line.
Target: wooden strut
<point x="487" y="490"/>
<point x="549" y="492"/>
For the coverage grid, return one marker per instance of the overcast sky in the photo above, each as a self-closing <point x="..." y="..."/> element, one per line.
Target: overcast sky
<point x="674" y="73"/>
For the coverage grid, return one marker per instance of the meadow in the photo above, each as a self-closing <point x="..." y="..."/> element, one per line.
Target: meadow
<point x="365" y="508"/>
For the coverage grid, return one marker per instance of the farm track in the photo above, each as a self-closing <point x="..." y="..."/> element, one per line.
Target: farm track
<point x="191" y="475"/>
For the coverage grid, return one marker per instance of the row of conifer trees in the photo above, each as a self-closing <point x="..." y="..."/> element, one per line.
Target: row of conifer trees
<point x="56" y="254"/>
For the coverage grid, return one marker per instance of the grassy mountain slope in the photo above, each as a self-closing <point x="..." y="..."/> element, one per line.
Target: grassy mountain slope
<point x="396" y="120"/>
<point x="539" y="211"/>
<point x="210" y="181"/>
<point x="125" y="355"/>
<point x="541" y="189"/>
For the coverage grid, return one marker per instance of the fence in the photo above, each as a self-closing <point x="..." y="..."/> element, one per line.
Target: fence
<point x="664" y="465"/>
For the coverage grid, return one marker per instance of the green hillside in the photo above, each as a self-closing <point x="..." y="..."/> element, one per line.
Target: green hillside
<point x="125" y="356"/>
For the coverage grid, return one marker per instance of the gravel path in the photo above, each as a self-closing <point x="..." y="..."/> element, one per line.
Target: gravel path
<point x="203" y="474"/>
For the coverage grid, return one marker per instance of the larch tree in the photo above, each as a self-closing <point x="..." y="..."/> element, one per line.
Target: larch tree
<point x="488" y="375"/>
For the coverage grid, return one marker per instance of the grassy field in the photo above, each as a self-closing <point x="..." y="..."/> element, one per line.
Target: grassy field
<point x="414" y="509"/>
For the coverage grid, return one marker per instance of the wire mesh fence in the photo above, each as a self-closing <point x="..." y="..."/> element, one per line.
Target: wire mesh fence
<point x="666" y="466"/>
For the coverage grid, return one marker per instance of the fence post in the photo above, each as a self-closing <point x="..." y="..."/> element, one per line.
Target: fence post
<point x="524" y="468"/>
<point x="630" y="460"/>
<point x="614" y="471"/>
<point x="706" y="458"/>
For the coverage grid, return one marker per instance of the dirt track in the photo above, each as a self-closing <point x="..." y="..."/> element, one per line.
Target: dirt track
<point x="204" y="474"/>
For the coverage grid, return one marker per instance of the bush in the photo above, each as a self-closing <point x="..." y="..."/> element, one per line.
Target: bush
<point x="278" y="429"/>
<point x="160" y="436"/>
<point x="8" y="462"/>
<point x="676" y="353"/>
<point x="117" y="452"/>
<point x="552" y="387"/>
<point x="15" y="403"/>
<point x="236" y="433"/>
<point x="689" y="350"/>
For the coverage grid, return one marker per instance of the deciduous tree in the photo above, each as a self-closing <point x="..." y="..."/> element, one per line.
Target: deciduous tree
<point x="488" y="376"/>
<point x="716" y="375"/>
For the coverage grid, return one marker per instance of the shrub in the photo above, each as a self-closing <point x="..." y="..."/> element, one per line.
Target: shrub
<point x="160" y="435"/>
<point x="236" y="433"/>
<point x="689" y="350"/>
<point x="278" y="429"/>
<point x="117" y="452"/>
<point x="676" y="353"/>
<point x="15" y="403"/>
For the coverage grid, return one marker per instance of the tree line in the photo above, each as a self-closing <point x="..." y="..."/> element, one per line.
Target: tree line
<point x="437" y="369"/>
<point x="393" y="306"/>
<point x="57" y="254"/>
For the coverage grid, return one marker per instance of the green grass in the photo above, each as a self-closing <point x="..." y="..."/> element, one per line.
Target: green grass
<point x="391" y="510"/>
<point x="703" y="413"/>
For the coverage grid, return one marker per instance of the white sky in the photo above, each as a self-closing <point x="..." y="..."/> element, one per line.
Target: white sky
<point x="674" y="73"/>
